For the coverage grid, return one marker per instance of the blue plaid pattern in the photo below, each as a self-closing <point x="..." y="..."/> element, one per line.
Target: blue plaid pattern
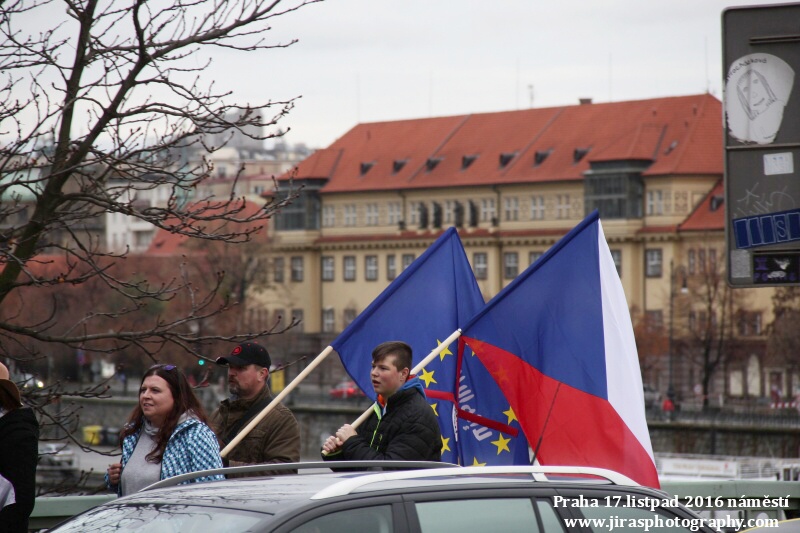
<point x="192" y="447"/>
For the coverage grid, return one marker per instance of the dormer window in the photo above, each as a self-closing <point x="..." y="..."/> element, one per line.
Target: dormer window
<point x="398" y="165"/>
<point x="579" y="153"/>
<point x="540" y="156"/>
<point x="431" y="163"/>
<point x="467" y="160"/>
<point x="506" y="157"/>
<point x="365" y="166"/>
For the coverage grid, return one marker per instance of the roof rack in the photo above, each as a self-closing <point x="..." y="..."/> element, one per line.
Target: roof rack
<point x="538" y="473"/>
<point x="305" y="465"/>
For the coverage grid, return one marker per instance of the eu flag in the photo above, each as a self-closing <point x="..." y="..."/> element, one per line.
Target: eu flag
<point x="422" y="307"/>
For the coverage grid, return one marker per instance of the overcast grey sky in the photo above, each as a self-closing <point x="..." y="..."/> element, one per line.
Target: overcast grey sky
<point x="372" y="60"/>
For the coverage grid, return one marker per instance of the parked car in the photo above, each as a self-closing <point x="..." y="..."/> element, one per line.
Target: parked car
<point x="440" y="499"/>
<point x="57" y="456"/>
<point x="346" y="389"/>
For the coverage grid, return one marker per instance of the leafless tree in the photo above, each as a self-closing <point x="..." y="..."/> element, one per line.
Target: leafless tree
<point x="96" y="111"/>
<point x="101" y="105"/>
<point x="710" y="308"/>
<point x="783" y="343"/>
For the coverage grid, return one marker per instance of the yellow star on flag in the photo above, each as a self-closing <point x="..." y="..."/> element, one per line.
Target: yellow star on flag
<point x="510" y="414"/>
<point x="427" y="377"/>
<point x="433" y="406"/>
<point x="446" y="444"/>
<point x="501" y="443"/>
<point x="476" y="463"/>
<point x="444" y="352"/>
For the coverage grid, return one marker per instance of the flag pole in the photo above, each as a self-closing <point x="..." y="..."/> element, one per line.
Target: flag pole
<point x="430" y="357"/>
<point x="546" y="420"/>
<point x="264" y="412"/>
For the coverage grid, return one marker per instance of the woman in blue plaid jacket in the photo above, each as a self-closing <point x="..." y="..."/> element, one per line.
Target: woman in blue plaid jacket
<point x="166" y="435"/>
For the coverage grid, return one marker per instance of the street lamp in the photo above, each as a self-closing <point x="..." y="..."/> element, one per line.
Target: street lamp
<point x="684" y="290"/>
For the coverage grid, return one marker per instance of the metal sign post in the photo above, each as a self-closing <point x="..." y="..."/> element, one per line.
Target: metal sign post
<point x="761" y="84"/>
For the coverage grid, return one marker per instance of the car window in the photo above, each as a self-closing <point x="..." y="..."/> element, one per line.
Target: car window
<point x="495" y="514"/>
<point x="551" y="523"/>
<point x="376" y="519"/>
<point x="162" y="519"/>
<point x="609" y="518"/>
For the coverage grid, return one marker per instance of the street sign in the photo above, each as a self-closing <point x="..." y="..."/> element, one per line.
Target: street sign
<point x="761" y="101"/>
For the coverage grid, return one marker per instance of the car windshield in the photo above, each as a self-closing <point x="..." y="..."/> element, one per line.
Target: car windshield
<point x="152" y="518"/>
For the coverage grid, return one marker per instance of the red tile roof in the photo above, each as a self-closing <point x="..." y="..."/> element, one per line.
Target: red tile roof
<point x="709" y="214"/>
<point x="680" y="135"/>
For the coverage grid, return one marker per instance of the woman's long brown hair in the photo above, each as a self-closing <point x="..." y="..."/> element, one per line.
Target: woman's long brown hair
<point x="184" y="401"/>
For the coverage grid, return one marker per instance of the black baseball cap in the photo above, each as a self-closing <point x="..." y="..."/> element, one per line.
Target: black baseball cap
<point x="245" y="354"/>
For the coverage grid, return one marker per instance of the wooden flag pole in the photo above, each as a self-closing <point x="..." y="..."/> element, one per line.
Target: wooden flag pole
<point x="281" y="395"/>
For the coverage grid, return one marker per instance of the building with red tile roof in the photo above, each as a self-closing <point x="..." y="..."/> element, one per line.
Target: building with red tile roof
<point x="513" y="183"/>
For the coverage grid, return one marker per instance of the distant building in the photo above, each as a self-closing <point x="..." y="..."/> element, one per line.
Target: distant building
<point x="513" y="183"/>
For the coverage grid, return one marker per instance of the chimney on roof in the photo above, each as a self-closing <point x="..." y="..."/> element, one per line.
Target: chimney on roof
<point x="584" y="101"/>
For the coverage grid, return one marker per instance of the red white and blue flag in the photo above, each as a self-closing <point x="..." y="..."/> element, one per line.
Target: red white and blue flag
<point x="558" y="340"/>
<point x="422" y="307"/>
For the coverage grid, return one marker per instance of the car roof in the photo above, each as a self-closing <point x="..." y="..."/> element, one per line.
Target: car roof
<point x="282" y="493"/>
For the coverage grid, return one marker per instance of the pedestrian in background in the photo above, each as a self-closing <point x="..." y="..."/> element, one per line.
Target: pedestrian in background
<point x="19" y="451"/>
<point x="166" y="435"/>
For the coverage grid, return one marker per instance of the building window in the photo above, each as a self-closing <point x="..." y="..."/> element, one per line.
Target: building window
<point x="372" y="214"/>
<point x="614" y="194"/>
<point x="413" y="212"/>
<point x="511" y="208"/>
<point x="371" y="267"/>
<point x="297" y="317"/>
<point x="562" y="206"/>
<point x="616" y="255"/>
<point x="653" y="263"/>
<point x="391" y="267"/>
<point x="712" y="260"/>
<point x="537" y="208"/>
<point x="479" y="265"/>
<point x="692" y="260"/>
<point x="449" y="211"/>
<point x="394" y="213"/>
<point x="327" y="268"/>
<point x="655" y="202"/>
<point x="407" y="260"/>
<point x="533" y="256"/>
<point x="510" y="265"/>
<point x="328" y="321"/>
<point x="329" y="216"/>
<point x="749" y="323"/>
<point x="278" y="266"/>
<point x="701" y="260"/>
<point x="350" y="215"/>
<point x="488" y="210"/>
<point x="349" y="268"/>
<point x="297" y="268"/>
<point x="349" y="316"/>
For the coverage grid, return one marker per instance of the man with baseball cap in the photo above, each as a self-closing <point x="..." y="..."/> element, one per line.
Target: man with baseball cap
<point x="276" y="438"/>
<point x="19" y="438"/>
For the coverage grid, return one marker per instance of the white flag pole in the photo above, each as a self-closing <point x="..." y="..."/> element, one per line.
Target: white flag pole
<point x="264" y="412"/>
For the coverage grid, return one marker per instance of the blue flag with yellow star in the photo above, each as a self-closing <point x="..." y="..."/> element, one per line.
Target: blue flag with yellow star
<point x="422" y="307"/>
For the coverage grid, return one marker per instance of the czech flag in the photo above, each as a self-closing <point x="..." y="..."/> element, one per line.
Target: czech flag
<point x="559" y="342"/>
